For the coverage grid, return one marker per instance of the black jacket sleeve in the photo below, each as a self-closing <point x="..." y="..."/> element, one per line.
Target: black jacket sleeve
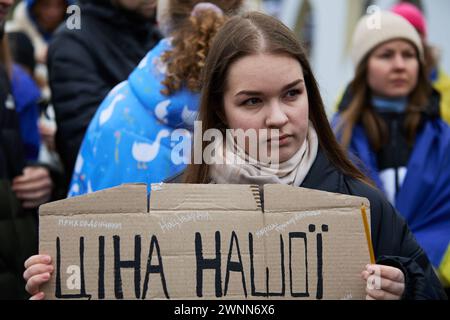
<point x="77" y="90"/>
<point x="395" y="245"/>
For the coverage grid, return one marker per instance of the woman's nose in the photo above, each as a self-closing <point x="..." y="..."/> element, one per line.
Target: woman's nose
<point x="399" y="62"/>
<point x="276" y="116"/>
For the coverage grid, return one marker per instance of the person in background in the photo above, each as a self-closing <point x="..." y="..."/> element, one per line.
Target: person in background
<point x="22" y="188"/>
<point x="439" y="79"/>
<point x="26" y="95"/>
<point x="389" y="121"/>
<point x="85" y="64"/>
<point x="32" y="108"/>
<point x="130" y="137"/>
<point x="39" y="19"/>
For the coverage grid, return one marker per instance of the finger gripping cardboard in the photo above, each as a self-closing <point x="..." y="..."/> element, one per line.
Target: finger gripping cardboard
<point x="205" y="242"/>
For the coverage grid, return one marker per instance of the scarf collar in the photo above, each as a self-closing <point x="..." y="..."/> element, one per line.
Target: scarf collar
<point x="243" y="171"/>
<point x="397" y="105"/>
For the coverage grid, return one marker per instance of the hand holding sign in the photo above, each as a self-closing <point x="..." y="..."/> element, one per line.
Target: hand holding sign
<point x="38" y="271"/>
<point x="383" y="282"/>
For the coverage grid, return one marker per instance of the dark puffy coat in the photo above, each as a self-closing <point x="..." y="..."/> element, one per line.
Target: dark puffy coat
<point x="393" y="242"/>
<point x="85" y="64"/>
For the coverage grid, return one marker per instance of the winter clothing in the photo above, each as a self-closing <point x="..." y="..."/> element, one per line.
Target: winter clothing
<point x="84" y="65"/>
<point x="440" y="80"/>
<point x="393" y="243"/>
<point x="423" y="185"/>
<point x="18" y="228"/>
<point x="23" y="20"/>
<point x="240" y="168"/>
<point x="411" y="13"/>
<point x="22" y="50"/>
<point x="132" y="136"/>
<point x="368" y="34"/>
<point x="26" y="95"/>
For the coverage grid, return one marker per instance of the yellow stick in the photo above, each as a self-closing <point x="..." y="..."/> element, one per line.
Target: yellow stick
<point x="368" y="237"/>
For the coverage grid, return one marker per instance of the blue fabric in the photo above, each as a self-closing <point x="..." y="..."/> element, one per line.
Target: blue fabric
<point x="424" y="199"/>
<point x="389" y="105"/>
<point x="30" y="3"/>
<point x="434" y="75"/>
<point x="131" y="137"/>
<point x="26" y="95"/>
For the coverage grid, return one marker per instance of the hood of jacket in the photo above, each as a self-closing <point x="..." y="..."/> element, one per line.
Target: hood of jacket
<point x="178" y="110"/>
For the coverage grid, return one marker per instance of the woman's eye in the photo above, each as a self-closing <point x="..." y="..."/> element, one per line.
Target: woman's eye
<point x="252" y="102"/>
<point x="409" y="55"/>
<point x="293" y="94"/>
<point x="386" y="55"/>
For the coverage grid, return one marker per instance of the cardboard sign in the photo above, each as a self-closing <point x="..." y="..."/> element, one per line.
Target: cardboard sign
<point x="205" y="241"/>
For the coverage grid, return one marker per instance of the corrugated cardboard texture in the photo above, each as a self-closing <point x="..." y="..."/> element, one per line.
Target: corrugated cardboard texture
<point x="205" y="241"/>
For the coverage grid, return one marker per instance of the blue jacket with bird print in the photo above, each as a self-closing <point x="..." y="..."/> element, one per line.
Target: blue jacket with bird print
<point x="138" y="135"/>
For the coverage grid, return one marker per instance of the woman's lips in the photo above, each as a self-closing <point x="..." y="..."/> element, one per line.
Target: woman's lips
<point x="282" y="140"/>
<point x="399" y="82"/>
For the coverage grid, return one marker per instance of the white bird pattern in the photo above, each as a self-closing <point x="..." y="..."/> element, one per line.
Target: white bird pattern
<point x="143" y="63"/>
<point x="89" y="187"/>
<point x="79" y="164"/>
<point x="161" y="111"/>
<point x="75" y="189"/>
<point x="188" y="116"/>
<point x="160" y="66"/>
<point x="117" y="88"/>
<point x="106" y="114"/>
<point x="144" y="152"/>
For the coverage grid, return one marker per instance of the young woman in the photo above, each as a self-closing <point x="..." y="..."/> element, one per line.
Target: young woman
<point x="257" y="77"/>
<point x="389" y="118"/>
<point x="440" y="80"/>
<point x="129" y="138"/>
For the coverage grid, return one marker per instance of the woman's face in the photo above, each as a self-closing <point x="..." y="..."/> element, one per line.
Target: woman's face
<point x="50" y="13"/>
<point x="393" y="69"/>
<point x="266" y="91"/>
<point x="5" y="5"/>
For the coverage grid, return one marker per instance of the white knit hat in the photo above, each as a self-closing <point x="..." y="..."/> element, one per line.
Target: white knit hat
<point x="373" y="30"/>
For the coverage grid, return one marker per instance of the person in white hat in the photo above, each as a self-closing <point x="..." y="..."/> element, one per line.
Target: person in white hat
<point x="389" y="118"/>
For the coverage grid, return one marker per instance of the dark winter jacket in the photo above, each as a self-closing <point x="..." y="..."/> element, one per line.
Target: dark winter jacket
<point x="85" y="64"/>
<point x="423" y="198"/>
<point x="393" y="242"/>
<point x="18" y="229"/>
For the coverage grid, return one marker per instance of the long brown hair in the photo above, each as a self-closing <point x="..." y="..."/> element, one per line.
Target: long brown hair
<point x="251" y="34"/>
<point x="192" y="37"/>
<point x="360" y="109"/>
